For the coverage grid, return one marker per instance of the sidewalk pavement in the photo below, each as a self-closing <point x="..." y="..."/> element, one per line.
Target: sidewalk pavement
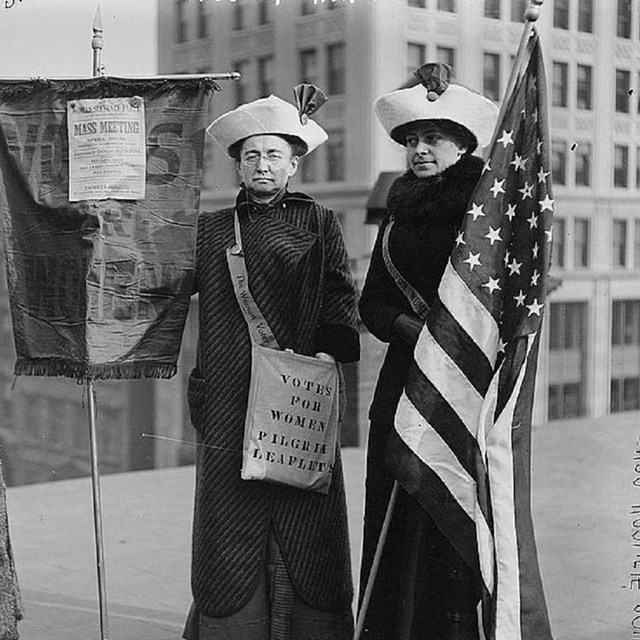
<point x="583" y="493"/>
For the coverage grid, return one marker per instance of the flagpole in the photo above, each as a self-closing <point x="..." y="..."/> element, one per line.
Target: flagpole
<point x="366" y="598"/>
<point x="96" y="45"/>
<point x="531" y="15"/>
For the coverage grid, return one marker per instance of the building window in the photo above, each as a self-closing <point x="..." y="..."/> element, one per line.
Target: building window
<point x="619" y="243"/>
<point x="583" y="88"/>
<point x="416" y="56"/>
<point x="335" y="155"/>
<point x="309" y="66"/>
<point x="623" y="87"/>
<point x="621" y="166"/>
<point x="560" y="84"/>
<point x="446" y="55"/>
<point x="559" y="161"/>
<point x="559" y="235"/>
<point x="518" y="7"/>
<point x="335" y="68"/>
<point x="239" y="16"/>
<point x="420" y="4"/>
<point x="241" y="85"/>
<point x="265" y="76"/>
<point x="308" y="7"/>
<point x="491" y="76"/>
<point x="585" y="16"/>
<point x="581" y="242"/>
<point x="203" y="25"/>
<point x="623" y="25"/>
<point x="583" y="165"/>
<point x="309" y="168"/>
<point x="567" y="359"/>
<point x="561" y="14"/>
<point x="447" y="5"/>
<point x="625" y="355"/>
<point x="181" y="21"/>
<point x="636" y="244"/>
<point x="264" y="12"/>
<point x="492" y="9"/>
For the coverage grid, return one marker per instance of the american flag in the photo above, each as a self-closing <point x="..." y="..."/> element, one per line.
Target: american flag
<point x="462" y="437"/>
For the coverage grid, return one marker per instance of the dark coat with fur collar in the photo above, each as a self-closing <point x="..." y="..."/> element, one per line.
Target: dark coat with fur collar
<point x="427" y="214"/>
<point x="438" y="600"/>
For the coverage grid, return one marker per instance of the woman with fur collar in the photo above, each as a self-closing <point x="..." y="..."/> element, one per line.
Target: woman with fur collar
<point x="423" y="590"/>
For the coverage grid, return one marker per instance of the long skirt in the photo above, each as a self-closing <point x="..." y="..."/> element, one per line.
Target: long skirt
<point x="275" y="612"/>
<point x="423" y="589"/>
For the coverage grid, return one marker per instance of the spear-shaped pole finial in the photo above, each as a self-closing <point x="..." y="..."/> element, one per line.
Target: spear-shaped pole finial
<point x="96" y="44"/>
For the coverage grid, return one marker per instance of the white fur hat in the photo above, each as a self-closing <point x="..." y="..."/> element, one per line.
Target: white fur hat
<point x="266" y="116"/>
<point x="447" y="102"/>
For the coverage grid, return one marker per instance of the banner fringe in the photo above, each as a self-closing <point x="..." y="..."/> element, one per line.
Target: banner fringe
<point x="81" y="372"/>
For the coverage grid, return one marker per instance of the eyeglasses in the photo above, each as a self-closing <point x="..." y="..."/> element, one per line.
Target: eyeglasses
<point x="272" y="159"/>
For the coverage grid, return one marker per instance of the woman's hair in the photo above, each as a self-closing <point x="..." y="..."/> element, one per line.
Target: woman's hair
<point x="457" y="132"/>
<point x="298" y="147"/>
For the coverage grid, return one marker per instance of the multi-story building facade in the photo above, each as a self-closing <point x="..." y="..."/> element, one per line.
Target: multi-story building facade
<point x="590" y="357"/>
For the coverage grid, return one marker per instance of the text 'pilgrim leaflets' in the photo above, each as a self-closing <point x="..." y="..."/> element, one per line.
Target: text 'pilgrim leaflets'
<point x="107" y="149"/>
<point x="290" y="436"/>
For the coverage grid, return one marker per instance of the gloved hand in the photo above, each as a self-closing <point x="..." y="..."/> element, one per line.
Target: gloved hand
<point x="407" y="327"/>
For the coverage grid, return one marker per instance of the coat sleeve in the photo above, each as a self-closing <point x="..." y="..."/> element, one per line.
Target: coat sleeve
<point x="337" y="332"/>
<point x="381" y="301"/>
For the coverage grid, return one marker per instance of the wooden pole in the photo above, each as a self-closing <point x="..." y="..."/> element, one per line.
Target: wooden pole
<point x="366" y="598"/>
<point x="531" y="15"/>
<point x="96" y="45"/>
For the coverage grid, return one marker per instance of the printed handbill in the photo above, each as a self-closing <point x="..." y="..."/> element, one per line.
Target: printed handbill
<point x="107" y="152"/>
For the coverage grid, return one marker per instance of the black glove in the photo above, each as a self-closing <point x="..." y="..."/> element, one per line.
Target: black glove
<point x="407" y="327"/>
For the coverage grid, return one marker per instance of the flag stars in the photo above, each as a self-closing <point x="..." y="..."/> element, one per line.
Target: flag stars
<point x="539" y="146"/>
<point x="476" y="211"/>
<point x="526" y="191"/>
<point x="511" y="212"/>
<point x="473" y="260"/>
<point x="460" y="238"/>
<point x="514" y="267"/>
<point x="534" y="308"/>
<point x="501" y="345"/>
<point x="534" y="250"/>
<point x="497" y="187"/>
<point x="487" y="166"/>
<point x="492" y="284"/>
<point x="520" y="298"/>
<point x="542" y="174"/>
<point x="535" y="276"/>
<point x="493" y="235"/>
<point x="533" y="221"/>
<point x="546" y="204"/>
<point x="507" y="255"/>
<point x="506" y="139"/>
<point x="519" y="162"/>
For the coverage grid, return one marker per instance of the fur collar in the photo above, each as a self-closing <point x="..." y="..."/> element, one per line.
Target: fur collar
<point x="440" y="199"/>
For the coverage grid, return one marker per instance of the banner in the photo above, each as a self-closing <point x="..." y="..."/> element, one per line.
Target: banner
<point x="100" y="288"/>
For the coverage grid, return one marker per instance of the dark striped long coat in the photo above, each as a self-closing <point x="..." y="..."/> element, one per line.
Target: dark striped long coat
<point x="300" y="279"/>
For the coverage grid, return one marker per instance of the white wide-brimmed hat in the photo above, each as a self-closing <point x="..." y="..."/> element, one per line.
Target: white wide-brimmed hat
<point x="266" y="116"/>
<point x="436" y="99"/>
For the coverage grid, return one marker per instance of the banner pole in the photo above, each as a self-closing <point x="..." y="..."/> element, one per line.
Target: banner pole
<point x="96" y="45"/>
<point x="97" y="512"/>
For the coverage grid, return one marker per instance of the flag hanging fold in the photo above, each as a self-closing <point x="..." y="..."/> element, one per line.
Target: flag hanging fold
<point x="99" y="226"/>
<point x="462" y="439"/>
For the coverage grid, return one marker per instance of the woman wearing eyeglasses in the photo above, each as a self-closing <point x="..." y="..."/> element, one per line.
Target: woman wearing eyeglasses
<point x="268" y="562"/>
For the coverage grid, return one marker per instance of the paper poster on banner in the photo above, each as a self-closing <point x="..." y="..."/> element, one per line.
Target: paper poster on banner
<point x="107" y="150"/>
